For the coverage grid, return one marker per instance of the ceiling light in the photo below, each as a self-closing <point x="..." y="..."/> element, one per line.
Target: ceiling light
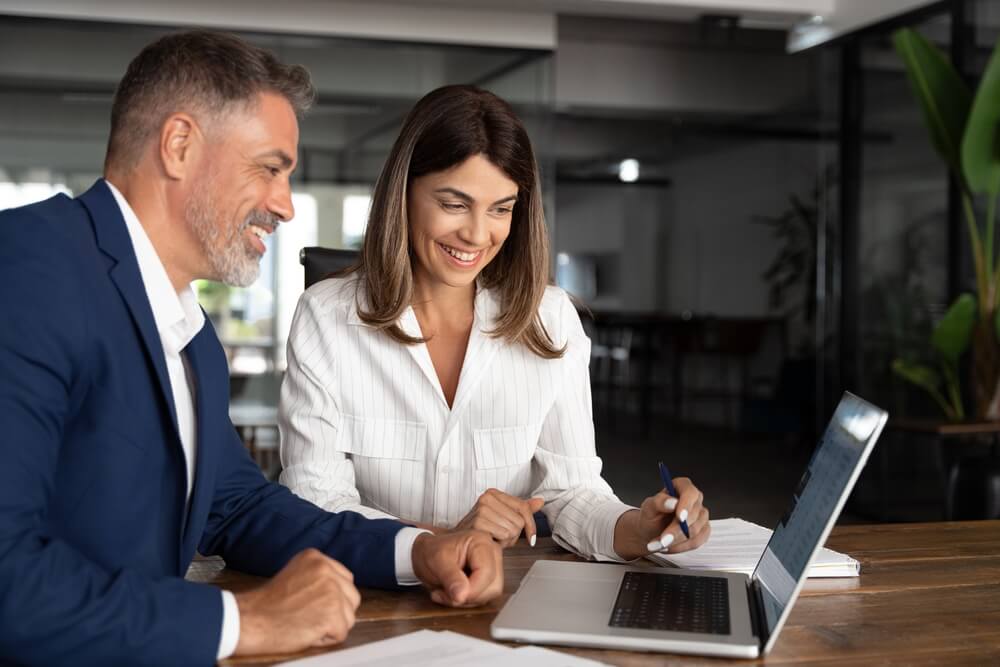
<point x="628" y="171"/>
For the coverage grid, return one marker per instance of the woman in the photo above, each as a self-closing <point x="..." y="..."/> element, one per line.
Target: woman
<point x="442" y="381"/>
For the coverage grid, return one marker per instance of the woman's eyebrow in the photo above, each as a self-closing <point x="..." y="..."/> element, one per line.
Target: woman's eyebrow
<point x="468" y="199"/>
<point x="458" y="193"/>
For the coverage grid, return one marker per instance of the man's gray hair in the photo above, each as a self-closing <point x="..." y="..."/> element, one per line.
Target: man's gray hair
<point x="203" y="73"/>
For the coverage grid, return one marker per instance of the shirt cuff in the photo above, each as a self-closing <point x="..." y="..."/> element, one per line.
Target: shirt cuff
<point x="605" y="518"/>
<point x="404" y="555"/>
<point x="230" y="626"/>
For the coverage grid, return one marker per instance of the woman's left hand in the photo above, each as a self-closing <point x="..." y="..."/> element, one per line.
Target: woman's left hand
<point x="656" y="526"/>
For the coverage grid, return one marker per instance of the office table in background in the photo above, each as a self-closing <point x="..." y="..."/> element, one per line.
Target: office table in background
<point x="928" y="594"/>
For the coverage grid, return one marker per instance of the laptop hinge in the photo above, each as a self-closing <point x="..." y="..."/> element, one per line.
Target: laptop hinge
<point x="758" y="623"/>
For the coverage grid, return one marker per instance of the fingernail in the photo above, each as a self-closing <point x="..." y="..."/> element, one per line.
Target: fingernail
<point x="654" y="546"/>
<point x="532" y="540"/>
<point x="666" y="540"/>
<point x="684" y="515"/>
<point x="670" y="504"/>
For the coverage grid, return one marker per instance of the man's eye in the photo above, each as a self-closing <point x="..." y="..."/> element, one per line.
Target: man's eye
<point x="274" y="171"/>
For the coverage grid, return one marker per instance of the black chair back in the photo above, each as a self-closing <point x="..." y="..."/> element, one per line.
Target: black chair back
<point x="321" y="262"/>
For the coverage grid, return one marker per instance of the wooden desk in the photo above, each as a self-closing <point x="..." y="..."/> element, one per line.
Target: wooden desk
<point x="928" y="594"/>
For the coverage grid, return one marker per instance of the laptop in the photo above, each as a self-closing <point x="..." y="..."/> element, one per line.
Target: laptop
<point x="698" y="612"/>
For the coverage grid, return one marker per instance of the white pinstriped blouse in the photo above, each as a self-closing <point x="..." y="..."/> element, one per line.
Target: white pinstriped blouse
<point x="365" y="425"/>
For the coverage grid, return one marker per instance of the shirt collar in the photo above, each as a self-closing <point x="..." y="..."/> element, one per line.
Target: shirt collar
<point x="178" y="316"/>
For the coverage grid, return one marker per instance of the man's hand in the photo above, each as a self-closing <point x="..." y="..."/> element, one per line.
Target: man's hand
<point x="461" y="568"/>
<point x="310" y="603"/>
<point x="503" y="516"/>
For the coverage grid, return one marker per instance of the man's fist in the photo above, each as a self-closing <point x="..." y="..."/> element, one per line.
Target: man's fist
<point x="461" y="569"/>
<point x="311" y="602"/>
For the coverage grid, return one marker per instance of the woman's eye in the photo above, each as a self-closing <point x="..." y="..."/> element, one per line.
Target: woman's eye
<point x="504" y="211"/>
<point x="449" y="206"/>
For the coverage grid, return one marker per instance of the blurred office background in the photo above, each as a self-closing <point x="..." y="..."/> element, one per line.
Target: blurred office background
<point x="742" y="192"/>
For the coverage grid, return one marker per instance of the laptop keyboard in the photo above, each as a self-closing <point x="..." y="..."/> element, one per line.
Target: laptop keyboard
<point x="652" y="601"/>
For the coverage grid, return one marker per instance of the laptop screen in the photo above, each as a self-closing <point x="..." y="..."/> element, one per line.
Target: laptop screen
<point x="817" y="502"/>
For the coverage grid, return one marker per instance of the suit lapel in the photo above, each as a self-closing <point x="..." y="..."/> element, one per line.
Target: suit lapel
<point x="113" y="239"/>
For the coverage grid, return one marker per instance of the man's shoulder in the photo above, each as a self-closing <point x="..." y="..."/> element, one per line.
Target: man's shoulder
<point x="56" y="228"/>
<point x="48" y="210"/>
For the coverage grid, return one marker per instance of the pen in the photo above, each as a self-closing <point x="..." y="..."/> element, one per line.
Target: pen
<point x="669" y="486"/>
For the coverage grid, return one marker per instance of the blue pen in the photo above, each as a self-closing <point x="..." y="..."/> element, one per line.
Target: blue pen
<point x="669" y="486"/>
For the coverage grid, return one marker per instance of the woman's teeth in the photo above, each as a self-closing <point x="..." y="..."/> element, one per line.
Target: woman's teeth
<point x="462" y="256"/>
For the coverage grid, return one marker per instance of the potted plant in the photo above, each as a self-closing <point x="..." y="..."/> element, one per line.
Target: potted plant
<point x="965" y="132"/>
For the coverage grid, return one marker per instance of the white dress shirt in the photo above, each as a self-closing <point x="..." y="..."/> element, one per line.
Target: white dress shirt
<point x="178" y="319"/>
<point x="365" y="425"/>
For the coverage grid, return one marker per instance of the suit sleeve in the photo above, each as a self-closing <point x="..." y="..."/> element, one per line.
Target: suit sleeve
<point x="258" y="526"/>
<point x="57" y="606"/>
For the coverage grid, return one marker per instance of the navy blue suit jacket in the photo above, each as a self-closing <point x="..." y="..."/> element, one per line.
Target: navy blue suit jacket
<point x="94" y="538"/>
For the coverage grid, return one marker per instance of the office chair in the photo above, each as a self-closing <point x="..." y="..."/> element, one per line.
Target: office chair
<point x="321" y="262"/>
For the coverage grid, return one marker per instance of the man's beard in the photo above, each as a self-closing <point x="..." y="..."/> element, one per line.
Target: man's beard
<point x="232" y="259"/>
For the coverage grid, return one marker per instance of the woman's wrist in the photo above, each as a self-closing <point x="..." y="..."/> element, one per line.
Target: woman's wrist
<point x="628" y="543"/>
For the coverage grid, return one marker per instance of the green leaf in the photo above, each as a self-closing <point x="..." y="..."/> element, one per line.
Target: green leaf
<point x="918" y="374"/>
<point x="981" y="145"/>
<point x="943" y="95"/>
<point x="996" y="323"/>
<point x="953" y="333"/>
<point x="926" y="378"/>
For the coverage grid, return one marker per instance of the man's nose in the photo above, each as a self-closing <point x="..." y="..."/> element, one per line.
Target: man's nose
<point x="280" y="203"/>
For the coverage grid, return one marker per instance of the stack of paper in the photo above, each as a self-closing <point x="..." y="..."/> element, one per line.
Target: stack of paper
<point x="428" y="647"/>
<point x="736" y="545"/>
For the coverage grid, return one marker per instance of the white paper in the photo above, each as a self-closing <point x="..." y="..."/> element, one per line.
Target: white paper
<point x="417" y="649"/>
<point x="736" y="545"/>
<point x="536" y="656"/>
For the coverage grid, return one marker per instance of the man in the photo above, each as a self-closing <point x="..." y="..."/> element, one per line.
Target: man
<point x="117" y="456"/>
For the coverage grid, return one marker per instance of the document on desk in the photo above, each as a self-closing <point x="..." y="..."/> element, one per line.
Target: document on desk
<point x="426" y="648"/>
<point x="736" y="545"/>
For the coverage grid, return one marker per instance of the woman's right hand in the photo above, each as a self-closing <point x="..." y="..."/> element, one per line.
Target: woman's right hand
<point x="503" y="516"/>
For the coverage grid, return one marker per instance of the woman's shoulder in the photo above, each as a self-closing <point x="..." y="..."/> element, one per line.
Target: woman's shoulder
<point x="557" y="306"/>
<point x="558" y="313"/>
<point x="554" y="300"/>
<point x="333" y="294"/>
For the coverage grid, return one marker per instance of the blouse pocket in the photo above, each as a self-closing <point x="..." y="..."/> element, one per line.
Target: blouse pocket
<point x="382" y="438"/>
<point x="503" y="458"/>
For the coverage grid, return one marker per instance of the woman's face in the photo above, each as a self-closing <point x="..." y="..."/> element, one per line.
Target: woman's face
<point x="459" y="219"/>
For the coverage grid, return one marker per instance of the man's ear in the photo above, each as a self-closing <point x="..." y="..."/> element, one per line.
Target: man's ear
<point x="180" y="139"/>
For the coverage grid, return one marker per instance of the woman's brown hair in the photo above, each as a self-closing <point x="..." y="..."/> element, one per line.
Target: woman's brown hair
<point x="446" y="127"/>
